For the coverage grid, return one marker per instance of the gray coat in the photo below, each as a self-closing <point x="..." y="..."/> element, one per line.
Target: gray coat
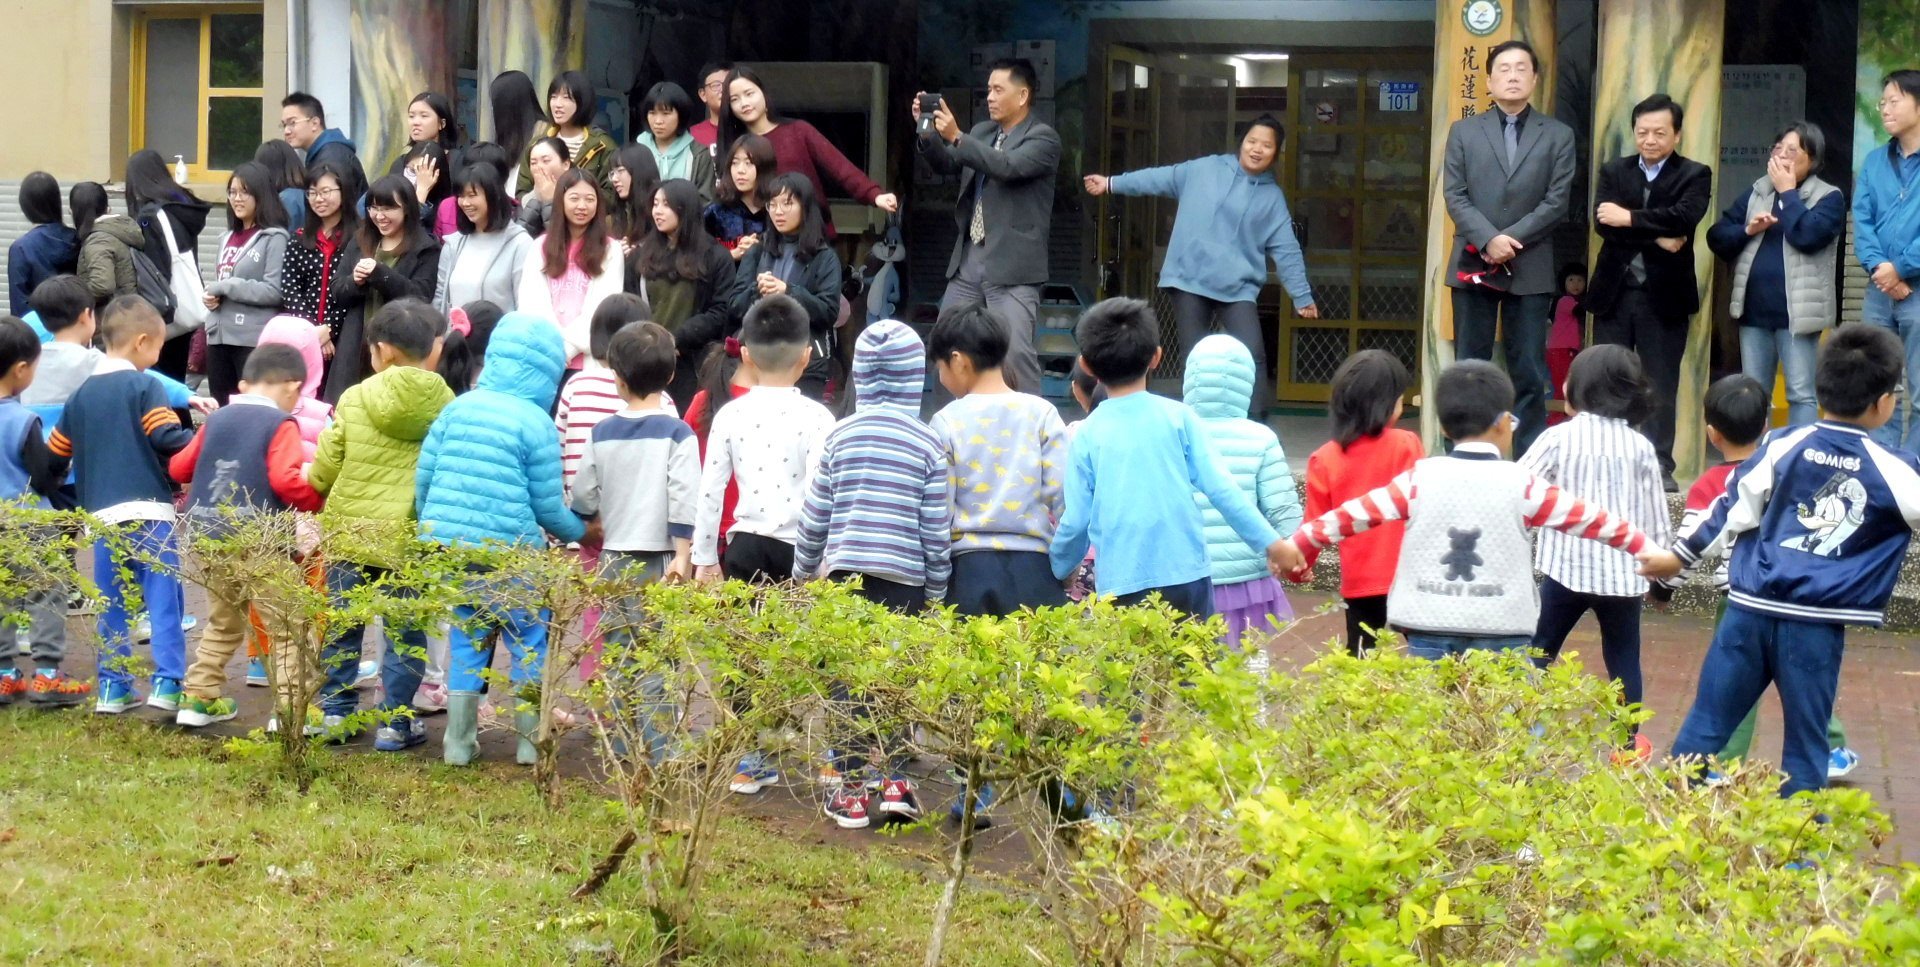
<point x="1018" y="196"/>
<point x="1526" y="200"/>
<point x="250" y="294"/>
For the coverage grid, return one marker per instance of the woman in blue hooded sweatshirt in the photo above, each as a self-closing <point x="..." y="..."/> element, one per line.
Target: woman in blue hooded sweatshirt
<point x="1232" y="217"/>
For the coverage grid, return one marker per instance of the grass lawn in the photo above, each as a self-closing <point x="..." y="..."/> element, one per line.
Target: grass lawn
<point x="120" y="840"/>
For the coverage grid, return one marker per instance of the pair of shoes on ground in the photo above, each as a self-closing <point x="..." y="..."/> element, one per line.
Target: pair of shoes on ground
<point x="852" y="804"/>
<point x="47" y="687"/>
<point x="117" y="696"/>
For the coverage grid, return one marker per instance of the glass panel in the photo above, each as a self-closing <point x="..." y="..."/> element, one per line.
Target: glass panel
<point x="173" y="89"/>
<point x="235" y="51"/>
<point x="233" y="131"/>
<point x="1390" y="294"/>
<point x="1325" y="226"/>
<point x="1392" y="226"/>
<point x="1327" y="160"/>
<point x="1407" y="98"/>
<point x="1330" y="97"/>
<point x="1317" y="352"/>
<point x="1396" y="161"/>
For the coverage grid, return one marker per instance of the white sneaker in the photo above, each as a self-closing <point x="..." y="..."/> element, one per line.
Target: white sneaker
<point x="369" y="674"/>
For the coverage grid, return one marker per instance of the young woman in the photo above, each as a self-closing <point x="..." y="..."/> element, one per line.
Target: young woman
<point x="159" y="205"/>
<point x="669" y="112"/>
<point x="574" y="266"/>
<point x="686" y="278"/>
<point x="246" y="289"/>
<point x="47" y="249"/>
<point x="484" y="260"/>
<point x="794" y="260"/>
<point x="738" y="218"/>
<point x="517" y="119"/>
<point x="570" y="105"/>
<point x="288" y="171"/>
<point x="391" y="257"/>
<point x="316" y="256"/>
<point x="446" y="216"/>
<point x="797" y="147"/>
<point x="429" y="121"/>
<point x="633" y="178"/>
<point x="107" y="242"/>
<point x="427" y="169"/>
<point x="547" y="160"/>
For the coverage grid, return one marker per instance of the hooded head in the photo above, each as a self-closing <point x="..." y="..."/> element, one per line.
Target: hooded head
<point x="1219" y="383"/>
<point x="286" y="330"/>
<point x="524" y="359"/>
<point x="889" y="368"/>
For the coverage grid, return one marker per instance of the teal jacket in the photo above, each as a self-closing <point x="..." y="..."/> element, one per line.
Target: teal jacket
<point x="1219" y="386"/>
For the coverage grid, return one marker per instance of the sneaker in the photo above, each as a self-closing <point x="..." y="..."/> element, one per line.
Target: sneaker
<point x="981" y="805"/>
<point x="897" y="799"/>
<point x="847" y="806"/>
<point x="12" y="686"/>
<point x="1713" y="779"/>
<point x="257" y="673"/>
<point x="51" y="686"/>
<point x="206" y="711"/>
<point x="1841" y="761"/>
<point x="828" y="775"/>
<point x="78" y="604"/>
<point x="369" y="675"/>
<point x="333" y="727"/>
<point x="751" y="778"/>
<point x="166" y="695"/>
<point x="1641" y="751"/>
<point x="143" y="632"/>
<point x="399" y="735"/>
<point x="430" y="698"/>
<point x="115" y="697"/>
<point x="315" y="727"/>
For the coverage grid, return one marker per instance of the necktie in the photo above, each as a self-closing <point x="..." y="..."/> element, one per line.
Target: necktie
<point x="977" y="231"/>
<point x="1513" y="138"/>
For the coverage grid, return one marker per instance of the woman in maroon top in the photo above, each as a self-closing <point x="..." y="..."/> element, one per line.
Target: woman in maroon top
<point x="797" y="146"/>
<point x="314" y="256"/>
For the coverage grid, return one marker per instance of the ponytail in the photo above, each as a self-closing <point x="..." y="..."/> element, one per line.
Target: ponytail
<point x="464" y="350"/>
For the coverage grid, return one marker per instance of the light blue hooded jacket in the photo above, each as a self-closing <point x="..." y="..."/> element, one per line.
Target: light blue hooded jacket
<point x="1219" y="385"/>
<point x="490" y="467"/>
<point x="1227" y="226"/>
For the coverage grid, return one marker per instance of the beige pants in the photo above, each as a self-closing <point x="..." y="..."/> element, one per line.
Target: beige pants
<point x="227" y="627"/>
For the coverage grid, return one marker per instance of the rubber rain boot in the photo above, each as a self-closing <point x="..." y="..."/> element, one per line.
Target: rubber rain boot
<point x="461" y="744"/>
<point x="527" y="724"/>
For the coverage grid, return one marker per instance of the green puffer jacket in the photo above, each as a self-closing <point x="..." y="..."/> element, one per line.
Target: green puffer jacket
<point x="366" y="459"/>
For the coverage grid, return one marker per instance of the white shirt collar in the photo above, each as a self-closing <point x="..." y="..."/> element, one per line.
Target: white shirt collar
<point x="112" y="364"/>
<point x="1476" y="446"/>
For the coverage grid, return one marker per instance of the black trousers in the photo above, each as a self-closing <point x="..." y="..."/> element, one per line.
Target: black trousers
<point x="1193" y="599"/>
<point x="891" y="595"/>
<point x="1521" y="321"/>
<point x="224" y="366"/>
<point x="757" y="560"/>
<point x="1660" y="340"/>
<point x="1619" y="616"/>
<point x="1370" y="611"/>
<point x="1003" y="582"/>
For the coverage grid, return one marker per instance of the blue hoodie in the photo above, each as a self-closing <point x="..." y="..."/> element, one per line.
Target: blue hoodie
<point x="333" y="146"/>
<point x="1219" y="385"/>
<point x="42" y="253"/>
<point x="490" y="467"/>
<point x="1886" y="213"/>
<point x="1227" y="226"/>
<point x="878" y="504"/>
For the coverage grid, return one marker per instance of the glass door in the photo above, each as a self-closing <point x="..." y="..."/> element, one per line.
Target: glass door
<point x="1196" y="102"/>
<point x="1126" y="246"/>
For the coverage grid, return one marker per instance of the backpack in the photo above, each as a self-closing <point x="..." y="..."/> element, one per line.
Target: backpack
<point x="151" y="285"/>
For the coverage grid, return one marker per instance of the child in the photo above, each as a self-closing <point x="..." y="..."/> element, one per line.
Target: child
<point x="1007" y="453"/>
<point x="118" y="429"/>
<point x="1569" y="330"/>
<point x="246" y="458"/>
<point x="594" y="394"/>
<point x="490" y="471"/>
<point x="1465" y="577"/>
<point x="310" y="413"/>
<point x="770" y="441"/>
<point x="1738" y="409"/>
<point x="64" y="307"/>
<point x="365" y="467"/>
<point x="877" y="511"/>
<point x="1831" y="513"/>
<point x="638" y="475"/>
<point x="464" y="348"/>
<point x="1133" y="470"/>
<point x="1598" y="456"/>
<point x="30" y="473"/>
<point x="722" y="380"/>
<point x="1366" y="451"/>
<point x="1219" y="388"/>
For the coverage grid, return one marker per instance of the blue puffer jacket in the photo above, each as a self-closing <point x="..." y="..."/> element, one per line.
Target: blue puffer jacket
<point x="1219" y="386"/>
<point x="490" y="468"/>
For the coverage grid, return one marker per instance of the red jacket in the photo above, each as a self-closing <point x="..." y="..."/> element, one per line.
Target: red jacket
<point x="1335" y="476"/>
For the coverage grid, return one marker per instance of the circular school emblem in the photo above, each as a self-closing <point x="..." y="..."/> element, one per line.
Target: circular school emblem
<point x="1481" y="17"/>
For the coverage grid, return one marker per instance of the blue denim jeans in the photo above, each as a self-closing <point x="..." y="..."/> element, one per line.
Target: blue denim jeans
<point x="1903" y="318"/>
<point x="469" y="650"/>
<point x="1801" y="659"/>
<point x="1436" y="647"/>
<point x="400" y="668"/>
<point x="1762" y="351"/>
<point x="154" y="565"/>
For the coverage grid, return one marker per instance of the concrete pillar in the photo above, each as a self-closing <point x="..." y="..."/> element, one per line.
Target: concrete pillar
<point x="400" y="49"/>
<point x="1464" y="30"/>
<point x="540" y="37"/>
<point x="1645" y="47"/>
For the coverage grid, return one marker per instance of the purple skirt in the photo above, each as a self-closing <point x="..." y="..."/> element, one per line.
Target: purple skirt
<point x="1247" y="606"/>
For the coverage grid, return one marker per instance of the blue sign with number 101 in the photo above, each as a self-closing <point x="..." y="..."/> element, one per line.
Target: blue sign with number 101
<point x="1400" y="95"/>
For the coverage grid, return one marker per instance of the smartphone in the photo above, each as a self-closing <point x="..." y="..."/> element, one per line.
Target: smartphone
<point x="929" y="103"/>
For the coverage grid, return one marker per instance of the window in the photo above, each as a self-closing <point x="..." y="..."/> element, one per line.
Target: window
<point x="198" y="76"/>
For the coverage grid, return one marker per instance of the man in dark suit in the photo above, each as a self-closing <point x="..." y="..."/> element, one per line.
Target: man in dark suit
<point x="1507" y="177"/>
<point x="1005" y="209"/>
<point x="1643" y="289"/>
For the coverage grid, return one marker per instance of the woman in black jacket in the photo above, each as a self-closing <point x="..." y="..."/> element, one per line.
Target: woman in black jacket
<point x="685" y="278"/>
<point x="794" y="260"/>
<point x="159" y="204"/>
<point x="391" y="257"/>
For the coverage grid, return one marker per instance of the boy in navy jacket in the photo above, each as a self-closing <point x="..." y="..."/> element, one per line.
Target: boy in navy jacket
<point x="1823" y="515"/>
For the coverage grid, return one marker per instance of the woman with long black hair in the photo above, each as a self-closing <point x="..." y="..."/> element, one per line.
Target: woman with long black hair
<point x="392" y="256"/>
<point x="570" y="108"/>
<point x="107" y="242"/>
<point x="574" y="266"/>
<point x="517" y="119"/>
<point x="798" y="147"/>
<point x="633" y="178"/>
<point x="429" y="121"/>
<point x="159" y="204"/>
<point x="47" y="249"/>
<point x="315" y="256"/>
<point x="246" y="291"/>
<point x="686" y="278"/>
<point x="738" y="218"/>
<point x="794" y="260"/>
<point x="485" y="258"/>
<point x="288" y="172"/>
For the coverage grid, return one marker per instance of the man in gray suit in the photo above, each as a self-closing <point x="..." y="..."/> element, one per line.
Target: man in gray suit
<point x="1508" y="174"/>
<point x="1005" y="210"/>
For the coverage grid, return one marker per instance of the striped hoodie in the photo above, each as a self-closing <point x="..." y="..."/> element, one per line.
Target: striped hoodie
<point x="878" y="504"/>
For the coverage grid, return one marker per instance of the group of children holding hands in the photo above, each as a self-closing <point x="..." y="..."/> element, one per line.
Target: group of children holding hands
<point x="993" y="505"/>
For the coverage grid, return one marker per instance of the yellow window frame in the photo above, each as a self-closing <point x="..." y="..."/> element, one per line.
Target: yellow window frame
<point x="197" y="171"/>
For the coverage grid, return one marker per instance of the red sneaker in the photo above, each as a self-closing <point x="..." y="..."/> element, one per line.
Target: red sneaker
<point x="847" y="806"/>
<point x="897" y="799"/>
<point x="50" y="686"/>
<point x="12" y="686"/>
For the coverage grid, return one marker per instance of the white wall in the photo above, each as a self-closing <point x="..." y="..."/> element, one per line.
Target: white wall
<point x="320" y="56"/>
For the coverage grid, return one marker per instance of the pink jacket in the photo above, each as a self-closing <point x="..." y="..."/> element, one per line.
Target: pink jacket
<point x="311" y="414"/>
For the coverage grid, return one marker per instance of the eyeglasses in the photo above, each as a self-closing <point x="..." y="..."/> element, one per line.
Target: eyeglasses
<point x="1514" y="421"/>
<point x="288" y="124"/>
<point x="322" y="192"/>
<point x="713" y="85"/>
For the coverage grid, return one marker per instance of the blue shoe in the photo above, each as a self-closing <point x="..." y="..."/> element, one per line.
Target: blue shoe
<point x="1841" y="761"/>
<point x="981" y="804"/>
<point x="115" y="697"/>
<point x="166" y="695"/>
<point x="257" y="673"/>
<point x="1714" y="780"/>
<point x="400" y="735"/>
<point x="753" y="776"/>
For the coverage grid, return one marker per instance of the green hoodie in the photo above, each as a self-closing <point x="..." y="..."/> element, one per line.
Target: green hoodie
<point x="366" y="458"/>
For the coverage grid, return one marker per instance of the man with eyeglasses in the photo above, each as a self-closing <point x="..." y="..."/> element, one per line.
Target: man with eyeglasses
<point x="303" y="122"/>
<point x="1886" y="236"/>
<point x="713" y="83"/>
